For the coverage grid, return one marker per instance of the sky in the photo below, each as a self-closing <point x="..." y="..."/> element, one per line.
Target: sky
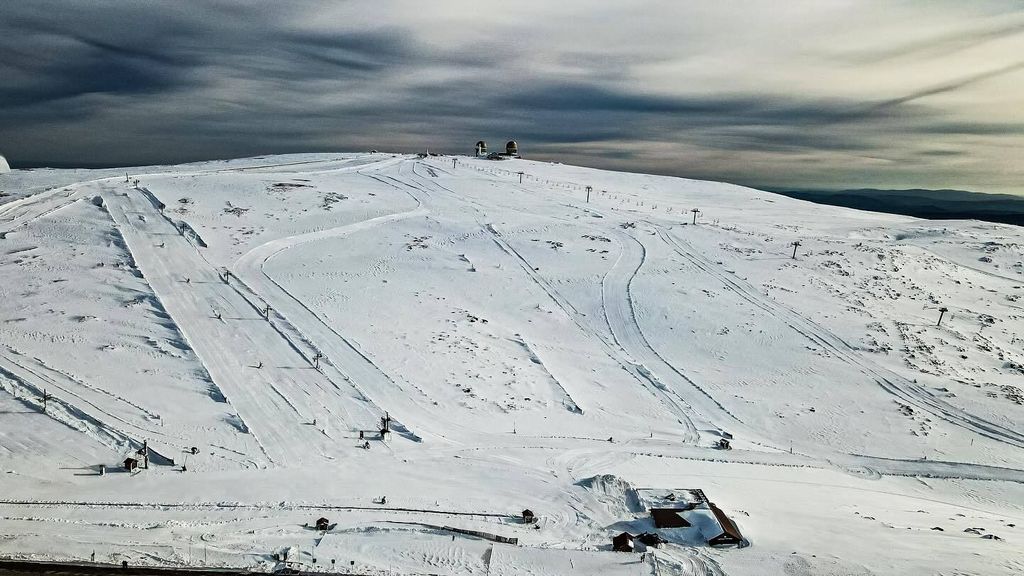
<point x="794" y="94"/>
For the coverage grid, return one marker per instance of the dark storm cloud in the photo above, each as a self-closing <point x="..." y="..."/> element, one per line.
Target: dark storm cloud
<point x="950" y="86"/>
<point x="87" y="68"/>
<point x="582" y="113"/>
<point x="702" y="110"/>
<point x="939" y="45"/>
<point x="359" y="51"/>
<point x="942" y="153"/>
<point x="973" y="128"/>
<point x="113" y="82"/>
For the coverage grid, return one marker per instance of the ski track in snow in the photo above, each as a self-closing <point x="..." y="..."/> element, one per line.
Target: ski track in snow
<point x="893" y="383"/>
<point x="262" y="361"/>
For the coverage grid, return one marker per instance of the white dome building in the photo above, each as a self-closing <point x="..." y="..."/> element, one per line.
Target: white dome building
<point x="4" y="166"/>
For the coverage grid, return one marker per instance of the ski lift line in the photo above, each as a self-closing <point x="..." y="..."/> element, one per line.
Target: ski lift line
<point x="888" y="380"/>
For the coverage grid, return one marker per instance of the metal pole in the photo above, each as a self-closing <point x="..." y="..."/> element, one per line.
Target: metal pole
<point x="589" y="188"/>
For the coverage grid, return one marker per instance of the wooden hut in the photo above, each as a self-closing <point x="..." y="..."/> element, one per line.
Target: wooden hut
<point x="730" y="532"/>
<point x="623" y="543"/>
<point x="650" y="539"/>
<point x="669" y="518"/>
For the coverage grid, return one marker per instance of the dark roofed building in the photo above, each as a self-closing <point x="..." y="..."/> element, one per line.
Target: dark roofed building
<point x="669" y="518"/>
<point x="730" y="532"/>
<point x="623" y="542"/>
<point x="650" y="539"/>
<point x="131" y="464"/>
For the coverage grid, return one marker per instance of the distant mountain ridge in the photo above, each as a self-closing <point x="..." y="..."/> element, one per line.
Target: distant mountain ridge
<point x="921" y="203"/>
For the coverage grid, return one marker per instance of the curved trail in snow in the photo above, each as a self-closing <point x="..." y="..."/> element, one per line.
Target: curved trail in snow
<point x="26" y="210"/>
<point x="889" y="381"/>
<point x="627" y="345"/>
<point x="620" y="314"/>
<point x="672" y="402"/>
<point x="342" y="360"/>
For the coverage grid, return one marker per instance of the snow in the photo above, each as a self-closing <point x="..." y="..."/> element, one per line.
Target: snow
<point x="531" y="349"/>
<point x="5" y="168"/>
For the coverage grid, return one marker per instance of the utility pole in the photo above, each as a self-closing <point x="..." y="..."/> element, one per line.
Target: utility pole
<point x="520" y="177"/>
<point x="316" y="360"/>
<point x="942" y="312"/>
<point x="589" y="188"/>
<point x="454" y="160"/>
<point x="796" y="244"/>
<point x="45" y="398"/>
<point x="266" y="312"/>
<point x="695" y="212"/>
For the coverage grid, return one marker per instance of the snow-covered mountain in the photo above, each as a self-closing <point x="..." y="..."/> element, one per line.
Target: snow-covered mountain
<point x="252" y="321"/>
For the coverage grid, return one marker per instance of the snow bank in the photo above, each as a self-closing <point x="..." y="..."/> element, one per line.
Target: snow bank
<point x="618" y="494"/>
<point x="4" y="166"/>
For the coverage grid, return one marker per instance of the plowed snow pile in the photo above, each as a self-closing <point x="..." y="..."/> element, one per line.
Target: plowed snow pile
<point x="253" y="325"/>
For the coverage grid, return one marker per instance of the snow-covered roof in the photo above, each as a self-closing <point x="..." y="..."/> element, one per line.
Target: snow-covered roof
<point x="678" y="498"/>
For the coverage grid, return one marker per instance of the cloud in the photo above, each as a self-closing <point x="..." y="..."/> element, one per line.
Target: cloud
<point x="744" y="91"/>
<point x="950" y="86"/>
<point x="88" y="68"/>
<point x="938" y="45"/>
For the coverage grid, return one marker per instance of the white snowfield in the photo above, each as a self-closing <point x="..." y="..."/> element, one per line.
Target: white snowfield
<point x="532" y="350"/>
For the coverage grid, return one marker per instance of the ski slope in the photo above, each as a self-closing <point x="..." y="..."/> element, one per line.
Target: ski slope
<point x="529" y="348"/>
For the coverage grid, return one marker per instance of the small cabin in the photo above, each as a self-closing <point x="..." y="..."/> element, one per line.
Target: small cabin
<point x="669" y="518"/>
<point x="650" y="539"/>
<point x="623" y="543"/>
<point x="730" y="535"/>
<point x="131" y="464"/>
